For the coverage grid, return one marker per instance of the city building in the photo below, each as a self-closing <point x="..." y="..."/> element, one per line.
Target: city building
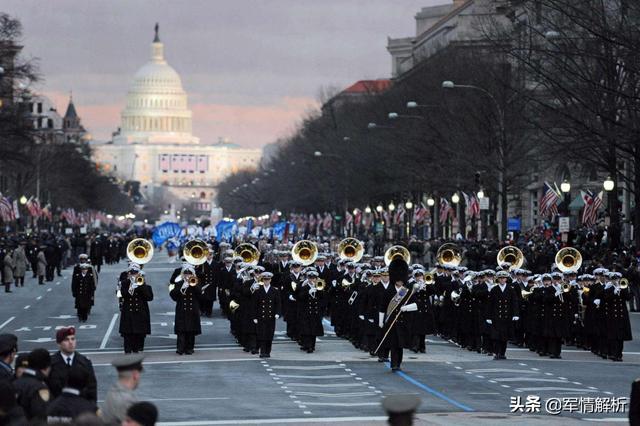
<point x="155" y="148"/>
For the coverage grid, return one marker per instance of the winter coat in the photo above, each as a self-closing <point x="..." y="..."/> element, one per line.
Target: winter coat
<point x="20" y="261"/>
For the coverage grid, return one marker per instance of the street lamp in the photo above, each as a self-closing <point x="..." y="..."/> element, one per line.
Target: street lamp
<point x="480" y="194"/>
<point x="355" y="212"/>
<point x="431" y="202"/>
<point x="23" y="200"/>
<point x="455" y="198"/>
<point x="391" y="206"/>
<point x="408" y="205"/>
<point x="379" y="208"/>
<point x="317" y="154"/>
<point x="565" y="186"/>
<point x="448" y="84"/>
<point x="372" y="126"/>
<point x="609" y="184"/>
<point x="368" y="209"/>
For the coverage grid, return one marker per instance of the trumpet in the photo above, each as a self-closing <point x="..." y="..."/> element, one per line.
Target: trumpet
<point x="624" y="283"/>
<point x="193" y="281"/>
<point x="321" y="284"/>
<point x="566" y="288"/>
<point x="233" y="306"/>
<point x="430" y="277"/>
<point x="525" y="294"/>
<point x="346" y="283"/>
<point x="585" y="290"/>
<point x="140" y="280"/>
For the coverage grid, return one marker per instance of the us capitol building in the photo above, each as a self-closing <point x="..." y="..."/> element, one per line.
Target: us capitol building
<point x="155" y="147"/>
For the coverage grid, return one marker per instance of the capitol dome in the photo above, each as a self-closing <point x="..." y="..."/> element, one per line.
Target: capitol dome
<point x="157" y="108"/>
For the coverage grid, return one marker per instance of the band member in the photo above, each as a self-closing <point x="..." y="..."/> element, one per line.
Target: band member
<point x="503" y="312"/>
<point x="423" y="321"/>
<point x="290" y="303"/>
<point x="186" y="292"/>
<point x="310" y="312"/>
<point x="206" y="273"/>
<point x="618" y="326"/>
<point x="135" y="320"/>
<point x="244" y="288"/>
<point x="395" y="325"/>
<point x="83" y="288"/>
<point x="556" y="326"/>
<point x="267" y="304"/>
<point x="227" y="277"/>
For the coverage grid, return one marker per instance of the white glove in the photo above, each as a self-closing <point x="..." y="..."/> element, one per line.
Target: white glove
<point x="312" y="292"/>
<point x="371" y="320"/>
<point x="292" y="298"/>
<point x="617" y="290"/>
<point x="255" y="286"/>
<point x="184" y="286"/>
<point x="596" y="302"/>
<point x="558" y="293"/>
<point x="334" y="283"/>
<point x="403" y="309"/>
<point x="515" y="318"/>
<point x="489" y="321"/>
<point x="277" y="316"/>
<point x="361" y="317"/>
<point x="442" y="298"/>
<point x="255" y="321"/>
<point x="380" y="319"/>
<point x="575" y="315"/>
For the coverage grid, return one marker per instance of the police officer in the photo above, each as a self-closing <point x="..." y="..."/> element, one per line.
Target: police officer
<point x="268" y="307"/>
<point x="31" y="390"/>
<point x="122" y="395"/>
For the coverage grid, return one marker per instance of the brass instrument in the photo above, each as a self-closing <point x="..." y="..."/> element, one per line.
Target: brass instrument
<point x="351" y="249"/>
<point x="305" y="252"/>
<point x="195" y="252"/>
<point x="140" y="280"/>
<point x="449" y="254"/>
<point x="321" y="284"/>
<point x="140" y="251"/>
<point x="585" y="290"/>
<point x="395" y="252"/>
<point x="248" y="252"/>
<point x="294" y="285"/>
<point x="233" y="306"/>
<point x="525" y="294"/>
<point x="346" y="283"/>
<point x="193" y="281"/>
<point x="511" y="255"/>
<point x="430" y="277"/>
<point x="566" y="288"/>
<point x="455" y="297"/>
<point x="568" y="259"/>
<point x="624" y="283"/>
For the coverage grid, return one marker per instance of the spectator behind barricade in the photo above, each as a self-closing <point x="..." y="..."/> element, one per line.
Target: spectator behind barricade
<point x="70" y="404"/>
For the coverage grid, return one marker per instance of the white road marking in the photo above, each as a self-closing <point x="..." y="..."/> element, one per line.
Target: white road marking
<point x="308" y="367"/>
<point x="554" y="389"/>
<point x="48" y="290"/>
<point x="327" y="385"/>
<point x="182" y="361"/>
<point x="6" y="322"/>
<point x="335" y="376"/>
<point x="343" y="404"/>
<point x="484" y="393"/>
<point x="276" y="421"/>
<point x="105" y="339"/>
<point x="335" y="395"/>
<point x="501" y="370"/>
<point x="529" y="379"/>
<point x="608" y="419"/>
<point x="27" y="307"/>
<point x="39" y="297"/>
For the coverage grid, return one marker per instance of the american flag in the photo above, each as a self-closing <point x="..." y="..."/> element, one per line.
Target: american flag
<point x="549" y="201"/>
<point x="400" y="214"/>
<point x="326" y="223"/>
<point x="348" y="219"/>
<point x="446" y="210"/>
<point x="592" y="204"/>
<point x="33" y="206"/>
<point x="6" y="209"/>
<point x="420" y="213"/>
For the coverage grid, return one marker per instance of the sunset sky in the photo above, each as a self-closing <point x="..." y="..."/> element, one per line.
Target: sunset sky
<point x="251" y="68"/>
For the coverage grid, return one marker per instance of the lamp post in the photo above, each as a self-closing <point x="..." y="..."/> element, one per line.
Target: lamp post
<point x="609" y="185"/>
<point x="431" y="203"/>
<point x="565" y="188"/>
<point x="501" y="163"/>
<point x="408" y="207"/>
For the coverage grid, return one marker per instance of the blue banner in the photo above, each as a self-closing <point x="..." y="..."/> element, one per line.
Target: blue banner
<point x="279" y="228"/>
<point x="225" y="230"/>
<point x="165" y="231"/>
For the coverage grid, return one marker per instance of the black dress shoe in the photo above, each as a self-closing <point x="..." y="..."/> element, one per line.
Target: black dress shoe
<point x="496" y="357"/>
<point x="189" y="353"/>
<point x="396" y="369"/>
<point x="179" y="353"/>
<point x="254" y="352"/>
<point x="263" y="356"/>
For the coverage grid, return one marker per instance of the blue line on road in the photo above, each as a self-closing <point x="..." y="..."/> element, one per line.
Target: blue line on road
<point x="432" y="391"/>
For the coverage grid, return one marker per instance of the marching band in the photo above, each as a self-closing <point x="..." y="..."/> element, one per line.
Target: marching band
<point x="383" y="305"/>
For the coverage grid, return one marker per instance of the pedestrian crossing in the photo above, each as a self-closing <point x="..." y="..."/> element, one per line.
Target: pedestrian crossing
<point x="317" y="386"/>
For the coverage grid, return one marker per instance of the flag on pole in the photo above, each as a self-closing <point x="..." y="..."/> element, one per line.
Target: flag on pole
<point x="446" y="210"/>
<point x="549" y="201"/>
<point x="592" y="204"/>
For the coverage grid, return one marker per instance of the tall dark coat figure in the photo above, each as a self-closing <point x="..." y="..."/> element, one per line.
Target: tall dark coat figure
<point x="468" y="325"/>
<point x="310" y="312"/>
<point x="135" y="319"/>
<point x="290" y="304"/>
<point x="32" y="395"/>
<point x="267" y="305"/>
<point x="208" y="275"/>
<point x="556" y="321"/>
<point x="503" y="306"/>
<point x="83" y="288"/>
<point x="617" y="320"/>
<point x="422" y="320"/>
<point x="399" y="334"/>
<point x="227" y="276"/>
<point x="95" y="253"/>
<point x="187" y="321"/>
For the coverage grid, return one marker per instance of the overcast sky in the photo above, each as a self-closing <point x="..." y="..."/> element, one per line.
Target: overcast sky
<point x="251" y="68"/>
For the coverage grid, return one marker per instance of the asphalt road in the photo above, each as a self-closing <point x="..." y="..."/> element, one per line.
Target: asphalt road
<point x="221" y="384"/>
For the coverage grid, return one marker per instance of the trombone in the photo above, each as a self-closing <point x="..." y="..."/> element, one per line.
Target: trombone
<point x="195" y="252"/>
<point x="140" y="251"/>
<point x="305" y="252"/>
<point x="397" y="252"/>
<point x="248" y="252"/>
<point x="511" y="255"/>
<point x="449" y="254"/>
<point x="568" y="259"/>
<point x="351" y="249"/>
